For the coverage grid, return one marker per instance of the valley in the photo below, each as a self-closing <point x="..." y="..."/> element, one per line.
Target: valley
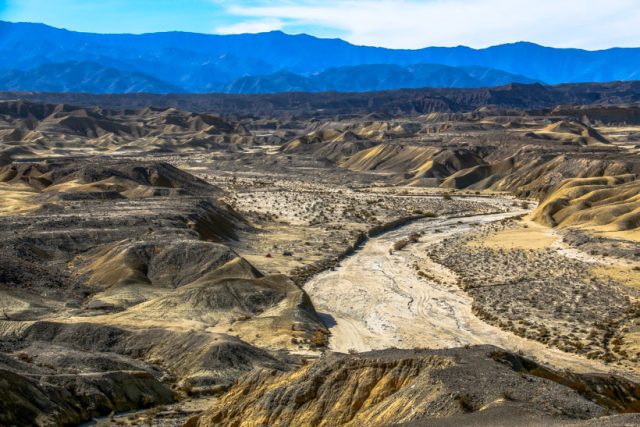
<point x="384" y="298"/>
<point x="172" y="267"/>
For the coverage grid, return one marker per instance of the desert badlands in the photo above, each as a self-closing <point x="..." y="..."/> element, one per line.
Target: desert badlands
<point x="460" y="257"/>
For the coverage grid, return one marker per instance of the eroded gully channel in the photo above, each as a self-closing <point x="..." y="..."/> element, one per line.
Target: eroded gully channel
<point x="375" y="299"/>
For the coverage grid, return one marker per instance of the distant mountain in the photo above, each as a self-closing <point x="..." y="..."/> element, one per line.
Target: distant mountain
<point x="282" y="81"/>
<point x="76" y="76"/>
<point x="206" y="63"/>
<point x="365" y="78"/>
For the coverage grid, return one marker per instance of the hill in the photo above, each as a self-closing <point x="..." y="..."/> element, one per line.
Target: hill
<point x="607" y="203"/>
<point x="605" y="102"/>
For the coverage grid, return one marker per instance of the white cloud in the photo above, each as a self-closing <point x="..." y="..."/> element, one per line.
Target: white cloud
<point x="257" y="26"/>
<point x="590" y="24"/>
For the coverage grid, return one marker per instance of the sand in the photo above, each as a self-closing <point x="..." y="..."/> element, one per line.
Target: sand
<point x="16" y="199"/>
<point x="629" y="276"/>
<point x="375" y="299"/>
<point x="529" y="235"/>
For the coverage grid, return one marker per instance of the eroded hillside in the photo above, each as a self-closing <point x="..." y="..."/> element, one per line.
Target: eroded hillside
<point x="214" y="271"/>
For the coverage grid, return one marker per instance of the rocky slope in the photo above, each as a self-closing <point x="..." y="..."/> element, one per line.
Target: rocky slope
<point x="416" y="387"/>
<point x="30" y="130"/>
<point x="127" y="281"/>
<point x="431" y="151"/>
<point x="612" y="103"/>
<point x="118" y="288"/>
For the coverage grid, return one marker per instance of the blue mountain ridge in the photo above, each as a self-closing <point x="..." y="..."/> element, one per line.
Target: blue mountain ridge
<point x="40" y="57"/>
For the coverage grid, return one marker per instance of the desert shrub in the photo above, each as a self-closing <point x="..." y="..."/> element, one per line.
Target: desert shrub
<point x="400" y="244"/>
<point x="413" y="237"/>
<point x="319" y="338"/>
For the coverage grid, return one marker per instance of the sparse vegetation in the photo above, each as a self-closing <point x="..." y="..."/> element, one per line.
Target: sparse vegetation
<point x="127" y="271"/>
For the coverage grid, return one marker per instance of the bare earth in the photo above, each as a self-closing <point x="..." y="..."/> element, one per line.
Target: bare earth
<point x="175" y="268"/>
<point x="376" y="299"/>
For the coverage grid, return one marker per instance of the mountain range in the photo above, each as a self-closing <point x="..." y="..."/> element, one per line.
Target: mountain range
<point x="38" y="57"/>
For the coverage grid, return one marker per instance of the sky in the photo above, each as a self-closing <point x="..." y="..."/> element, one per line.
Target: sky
<point x="411" y="24"/>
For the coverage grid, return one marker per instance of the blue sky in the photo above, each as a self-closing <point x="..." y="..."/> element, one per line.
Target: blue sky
<point x="589" y="24"/>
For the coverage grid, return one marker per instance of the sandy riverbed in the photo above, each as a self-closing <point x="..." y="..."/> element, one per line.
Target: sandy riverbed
<point x="375" y="299"/>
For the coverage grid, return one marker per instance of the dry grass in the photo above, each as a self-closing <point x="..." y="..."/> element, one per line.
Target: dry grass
<point x="629" y="276"/>
<point x="529" y="235"/>
<point x="633" y="235"/>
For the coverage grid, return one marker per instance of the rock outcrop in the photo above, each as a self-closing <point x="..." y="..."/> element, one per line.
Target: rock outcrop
<point x="415" y="387"/>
